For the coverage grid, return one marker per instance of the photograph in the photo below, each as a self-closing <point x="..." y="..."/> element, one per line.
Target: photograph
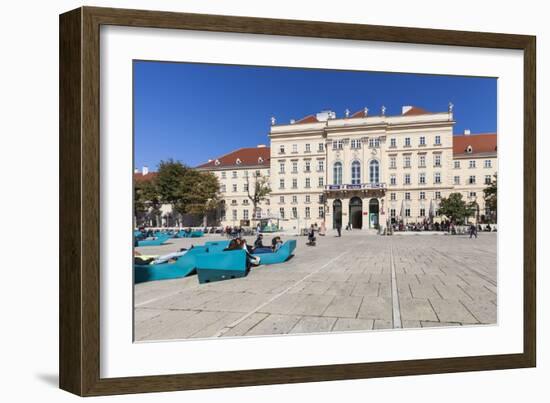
<point x="276" y="201"/>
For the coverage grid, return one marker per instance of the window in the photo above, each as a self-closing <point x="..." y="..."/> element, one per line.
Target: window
<point x="294" y="148"/>
<point x="281" y="167"/>
<point x="234" y="174"/>
<point x="457" y="164"/>
<point x="407" y="161"/>
<point x="374" y="142"/>
<point x="245" y="187"/>
<point x="393" y="143"/>
<point x="294" y="199"/>
<point x="422" y="212"/>
<point x="281" y="183"/>
<point x="321" y="212"/>
<point x="456" y="180"/>
<point x="234" y="187"/>
<point x="472" y="180"/>
<point x="407" y="212"/>
<point x="294" y="167"/>
<point x="422" y="161"/>
<point x="374" y="171"/>
<point x="407" y="179"/>
<point x="320" y="165"/>
<point x="224" y="174"/>
<point x="487" y="179"/>
<point x="392" y="162"/>
<point x="437" y="178"/>
<point x="281" y="199"/>
<point x="321" y="147"/>
<point x="308" y="166"/>
<point x="294" y="212"/>
<point x="308" y="199"/>
<point x="282" y="212"/>
<point x="407" y="195"/>
<point x="422" y="178"/>
<point x="245" y="214"/>
<point x="392" y="196"/>
<point x="308" y="212"/>
<point x="337" y="144"/>
<point x="294" y="183"/>
<point x="407" y="141"/>
<point x="392" y="212"/>
<point x="281" y="149"/>
<point x="393" y="179"/>
<point x="245" y="174"/>
<point x="437" y="195"/>
<point x="472" y="194"/>
<point x="337" y="173"/>
<point x="233" y="202"/>
<point x="308" y="183"/>
<point x="257" y="173"/>
<point x="355" y="144"/>
<point x="422" y="141"/>
<point x="321" y="182"/>
<point x="437" y="140"/>
<point x="222" y="188"/>
<point x="437" y="160"/>
<point x="422" y="196"/>
<point x="487" y="164"/>
<point x="472" y="163"/>
<point x="308" y="148"/>
<point x="234" y="212"/>
<point x="355" y="173"/>
<point x="321" y="199"/>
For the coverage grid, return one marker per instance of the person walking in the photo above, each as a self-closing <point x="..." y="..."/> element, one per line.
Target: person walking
<point x="473" y="231"/>
<point x="339" y="228"/>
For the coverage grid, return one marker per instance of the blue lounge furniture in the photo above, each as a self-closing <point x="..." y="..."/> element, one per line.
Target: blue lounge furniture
<point x="154" y="242"/>
<point x="282" y="254"/>
<point x="184" y="266"/>
<point x="216" y="246"/>
<point x="196" y="234"/>
<point x="217" y="266"/>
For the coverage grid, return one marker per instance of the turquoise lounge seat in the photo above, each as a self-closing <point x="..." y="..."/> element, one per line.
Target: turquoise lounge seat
<point x="216" y="246"/>
<point x="184" y="266"/>
<point x="282" y="254"/>
<point x="154" y="242"/>
<point x="219" y="266"/>
<point x="196" y="234"/>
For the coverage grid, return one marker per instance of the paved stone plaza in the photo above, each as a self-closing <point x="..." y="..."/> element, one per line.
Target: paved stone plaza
<point x="356" y="282"/>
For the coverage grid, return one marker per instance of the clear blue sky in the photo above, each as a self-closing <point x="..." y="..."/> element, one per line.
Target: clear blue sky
<point x="193" y="112"/>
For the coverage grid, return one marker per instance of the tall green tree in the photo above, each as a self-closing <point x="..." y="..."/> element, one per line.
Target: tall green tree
<point x="146" y="202"/>
<point x="456" y="209"/>
<point x="258" y="190"/>
<point x="490" y="196"/>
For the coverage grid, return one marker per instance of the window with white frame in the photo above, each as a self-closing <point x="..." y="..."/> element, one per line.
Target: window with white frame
<point x="245" y="214"/>
<point x="234" y="174"/>
<point x="457" y="164"/>
<point x="487" y="164"/>
<point x="392" y="213"/>
<point x="393" y="142"/>
<point x="472" y="180"/>
<point x="321" y="148"/>
<point x="437" y="178"/>
<point x="472" y="194"/>
<point x="294" y="167"/>
<point x="321" y="182"/>
<point x="422" y="141"/>
<point x="437" y="140"/>
<point x="245" y="187"/>
<point x="392" y="196"/>
<point x="294" y="199"/>
<point x="456" y="180"/>
<point x="281" y="183"/>
<point x="407" y="141"/>
<point x="321" y="212"/>
<point x="355" y="173"/>
<point x="355" y="144"/>
<point x="321" y="198"/>
<point x="422" y="178"/>
<point x="294" y="148"/>
<point x="308" y="148"/>
<point x="320" y="165"/>
<point x="281" y="167"/>
<point x="422" y="212"/>
<point x="222" y="188"/>
<point x="308" y="183"/>
<point x="393" y="163"/>
<point x="281" y="199"/>
<point x="393" y="179"/>
<point x="407" y="212"/>
<point x="422" y="195"/>
<point x="282" y="212"/>
<point x="374" y="171"/>
<point x="223" y="174"/>
<point x="281" y="149"/>
<point x="407" y="180"/>
<point x="437" y="195"/>
<point x="308" y="199"/>
<point x="487" y="179"/>
<point x="308" y="212"/>
<point x="407" y="195"/>
<point x="472" y="163"/>
<point x="234" y="214"/>
<point x="406" y="161"/>
<point x="294" y="212"/>
<point x="338" y="144"/>
<point x="437" y="160"/>
<point x="307" y="166"/>
<point x="337" y="173"/>
<point x="294" y="183"/>
<point x="422" y="161"/>
<point x="234" y="187"/>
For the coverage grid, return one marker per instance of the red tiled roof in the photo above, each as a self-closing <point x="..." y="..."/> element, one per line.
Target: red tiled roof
<point x="416" y="111"/>
<point x="481" y="143"/>
<point x="358" y="114"/>
<point x="139" y="177"/>
<point x="307" y="119"/>
<point x="248" y="157"/>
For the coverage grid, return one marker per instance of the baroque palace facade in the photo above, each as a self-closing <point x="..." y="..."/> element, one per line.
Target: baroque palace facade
<point x="362" y="169"/>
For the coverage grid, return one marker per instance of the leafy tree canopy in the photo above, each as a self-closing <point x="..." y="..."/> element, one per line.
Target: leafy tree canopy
<point x="457" y="209"/>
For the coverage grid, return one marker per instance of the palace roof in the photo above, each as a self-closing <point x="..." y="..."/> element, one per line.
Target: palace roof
<point x="475" y="144"/>
<point x="243" y="157"/>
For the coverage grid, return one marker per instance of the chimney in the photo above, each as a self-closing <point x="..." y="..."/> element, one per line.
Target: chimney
<point x="405" y="109"/>
<point x="260" y="146"/>
<point x="325" y="115"/>
<point x="136" y="170"/>
<point x="145" y="170"/>
<point x="292" y="121"/>
<point x="467" y="132"/>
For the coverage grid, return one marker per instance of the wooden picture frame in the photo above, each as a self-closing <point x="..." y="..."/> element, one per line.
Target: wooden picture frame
<point x="80" y="199"/>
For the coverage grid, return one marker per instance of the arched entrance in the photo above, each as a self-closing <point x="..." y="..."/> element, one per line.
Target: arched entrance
<point x="337" y="214"/>
<point x="356" y="212"/>
<point x="373" y="213"/>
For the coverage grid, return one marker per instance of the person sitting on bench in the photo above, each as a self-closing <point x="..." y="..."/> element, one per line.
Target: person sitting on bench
<point x="259" y="246"/>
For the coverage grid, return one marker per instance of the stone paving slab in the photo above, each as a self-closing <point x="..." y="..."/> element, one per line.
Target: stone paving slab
<point x="343" y="284"/>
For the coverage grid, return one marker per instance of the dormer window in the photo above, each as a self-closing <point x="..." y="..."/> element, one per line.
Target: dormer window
<point x="469" y="149"/>
<point x="260" y="160"/>
<point x="238" y="161"/>
<point x="217" y="162"/>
